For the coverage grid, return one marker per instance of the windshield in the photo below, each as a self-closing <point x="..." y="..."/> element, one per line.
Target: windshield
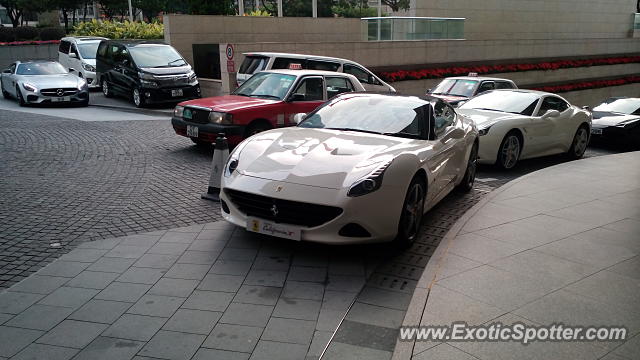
<point x="505" y="101"/>
<point x="43" y="68"/>
<point x="156" y="56"/>
<point x="266" y="85"/>
<point x="370" y="113"/>
<point x="455" y="87"/>
<point x="623" y="106"/>
<point x="88" y="49"/>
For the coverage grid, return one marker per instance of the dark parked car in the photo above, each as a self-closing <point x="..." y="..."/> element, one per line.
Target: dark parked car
<point x="145" y="72"/>
<point x="617" y="121"/>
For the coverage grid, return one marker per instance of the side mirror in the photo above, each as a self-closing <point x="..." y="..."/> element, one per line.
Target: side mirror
<point x="551" y="114"/>
<point x="72" y="69"/>
<point x="586" y="108"/>
<point x="459" y="103"/>
<point x="6" y="71"/>
<point x="73" y="55"/>
<point x="297" y="97"/>
<point x="297" y="118"/>
<point x="429" y="91"/>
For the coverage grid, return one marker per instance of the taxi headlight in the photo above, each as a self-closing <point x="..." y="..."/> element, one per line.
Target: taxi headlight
<point x="177" y="112"/>
<point x="220" y="118"/>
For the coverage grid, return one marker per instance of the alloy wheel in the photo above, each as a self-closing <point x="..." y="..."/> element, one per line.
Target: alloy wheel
<point x="580" y="142"/>
<point x="137" y="100"/>
<point x="472" y="167"/>
<point x="510" y="152"/>
<point x="413" y="211"/>
<point x="105" y="88"/>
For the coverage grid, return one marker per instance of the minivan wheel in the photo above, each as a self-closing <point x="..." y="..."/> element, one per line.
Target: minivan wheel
<point x="106" y="88"/>
<point x="138" y="100"/>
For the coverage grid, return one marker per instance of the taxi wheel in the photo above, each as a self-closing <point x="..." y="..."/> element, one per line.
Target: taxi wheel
<point x="255" y="128"/>
<point x="200" y="143"/>
<point x="138" y="99"/>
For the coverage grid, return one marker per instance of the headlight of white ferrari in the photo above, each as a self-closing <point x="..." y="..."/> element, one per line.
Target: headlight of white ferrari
<point x="29" y="87"/>
<point x="484" y="131"/>
<point x="370" y="183"/>
<point x="220" y="118"/>
<point x="234" y="160"/>
<point x="177" y="112"/>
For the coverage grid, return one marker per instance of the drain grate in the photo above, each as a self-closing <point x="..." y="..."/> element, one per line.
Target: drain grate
<point x="395" y="283"/>
<point x="401" y="270"/>
<point x="415" y="259"/>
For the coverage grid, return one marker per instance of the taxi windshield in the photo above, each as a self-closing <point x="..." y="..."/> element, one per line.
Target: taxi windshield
<point x="266" y="85"/>
<point x="455" y="87"/>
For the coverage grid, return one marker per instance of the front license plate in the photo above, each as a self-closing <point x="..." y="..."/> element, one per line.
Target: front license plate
<point x="270" y="228"/>
<point x="176" y="92"/>
<point x="61" y="99"/>
<point x="596" y="131"/>
<point x="192" y="131"/>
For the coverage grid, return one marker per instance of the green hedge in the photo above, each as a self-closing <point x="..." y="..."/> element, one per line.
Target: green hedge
<point x="120" y="30"/>
<point x="26" y="33"/>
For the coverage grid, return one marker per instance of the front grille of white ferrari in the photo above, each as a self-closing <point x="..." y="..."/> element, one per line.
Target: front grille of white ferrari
<point x="282" y="211"/>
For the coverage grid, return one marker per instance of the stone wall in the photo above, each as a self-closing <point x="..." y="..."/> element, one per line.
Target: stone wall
<point x="9" y="54"/>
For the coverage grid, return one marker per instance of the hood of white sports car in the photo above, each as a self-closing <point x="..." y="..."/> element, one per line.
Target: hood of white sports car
<point x="51" y="81"/>
<point x="486" y="117"/>
<point x="317" y="157"/>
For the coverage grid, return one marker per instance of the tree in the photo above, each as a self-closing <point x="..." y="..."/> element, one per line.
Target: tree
<point x="299" y="7"/>
<point x="396" y="5"/>
<point x="14" y="11"/>
<point x="209" y="7"/>
<point x="66" y="6"/>
<point x="150" y="8"/>
<point x="114" y="8"/>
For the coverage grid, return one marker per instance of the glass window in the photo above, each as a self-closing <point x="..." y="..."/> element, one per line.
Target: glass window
<point x="88" y="50"/>
<point x="362" y="75"/>
<point x="157" y="56"/>
<point x="253" y="64"/>
<point x="73" y="49"/>
<point x="390" y="115"/>
<point x="322" y="65"/>
<point x="486" y="86"/>
<point x="13" y="68"/>
<point x="283" y="63"/>
<point x="337" y="85"/>
<point x="552" y="103"/>
<point x="64" y="46"/>
<point x="444" y="117"/>
<point x="41" y="68"/>
<point x="455" y="87"/>
<point x="266" y="85"/>
<point x="502" y="100"/>
<point x="504" y="85"/>
<point x="620" y="105"/>
<point x="311" y="88"/>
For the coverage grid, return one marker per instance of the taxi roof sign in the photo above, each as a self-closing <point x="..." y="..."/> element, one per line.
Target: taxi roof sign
<point x="295" y="66"/>
<point x="474" y="74"/>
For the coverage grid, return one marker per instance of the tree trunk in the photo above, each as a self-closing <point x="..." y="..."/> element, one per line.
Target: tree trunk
<point x="84" y="12"/>
<point x="65" y="17"/>
<point x="15" y="16"/>
<point x="74" y="17"/>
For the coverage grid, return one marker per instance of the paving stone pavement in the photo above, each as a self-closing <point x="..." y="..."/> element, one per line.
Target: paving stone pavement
<point x="68" y="181"/>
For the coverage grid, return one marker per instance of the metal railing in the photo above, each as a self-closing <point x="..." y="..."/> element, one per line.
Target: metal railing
<point x="400" y="28"/>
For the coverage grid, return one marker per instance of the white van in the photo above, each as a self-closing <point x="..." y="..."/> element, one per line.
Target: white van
<point x="258" y="61"/>
<point x="78" y="54"/>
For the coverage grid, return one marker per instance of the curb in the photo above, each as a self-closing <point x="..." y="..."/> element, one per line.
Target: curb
<point x="404" y="349"/>
<point x="133" y="111"/>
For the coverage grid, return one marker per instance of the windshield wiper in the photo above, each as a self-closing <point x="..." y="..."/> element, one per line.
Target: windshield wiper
<point x="241" y="94"/>
<point x="266" y="95"/>
<point x="351" y="129"/>
<point x="176" y="60"/>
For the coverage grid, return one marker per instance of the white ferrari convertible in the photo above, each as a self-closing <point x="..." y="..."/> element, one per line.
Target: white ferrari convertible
<point x="363" y="167"/>
<point x="523" y="124"/>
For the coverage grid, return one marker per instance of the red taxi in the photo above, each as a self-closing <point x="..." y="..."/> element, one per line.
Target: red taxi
<point x="267" y="100"/>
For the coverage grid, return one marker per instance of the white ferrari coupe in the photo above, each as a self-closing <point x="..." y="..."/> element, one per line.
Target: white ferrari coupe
<point x="363" y="167"/>
<point x="522" y="124"/>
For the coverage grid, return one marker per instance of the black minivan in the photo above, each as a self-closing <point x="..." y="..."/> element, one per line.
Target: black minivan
<point x="146" y="72"/>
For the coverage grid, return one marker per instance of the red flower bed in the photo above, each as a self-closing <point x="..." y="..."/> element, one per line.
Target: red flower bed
<point x="434" y="73"/>
<point x="589" y="84"/>
<point x="29" y="42"/>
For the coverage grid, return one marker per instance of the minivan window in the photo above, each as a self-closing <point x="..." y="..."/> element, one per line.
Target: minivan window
<point x="283" y="63"/>
<point x="156" y="56"/>
<point x="322" y="65"/>
<point x="64" y="46"/>
<point x="359" y="73"/>
<point x="88" y="50"/>
<point x="253" y="64"/>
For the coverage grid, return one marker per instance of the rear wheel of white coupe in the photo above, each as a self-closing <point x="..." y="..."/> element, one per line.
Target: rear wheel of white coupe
<point x="509" y="151"/>
<point x="470" y="174"/>
<point x="411" y="216"/>
<point x="579" y="144"/>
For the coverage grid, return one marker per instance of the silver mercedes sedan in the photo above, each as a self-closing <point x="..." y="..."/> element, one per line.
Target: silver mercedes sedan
<point x="43" y="82"/>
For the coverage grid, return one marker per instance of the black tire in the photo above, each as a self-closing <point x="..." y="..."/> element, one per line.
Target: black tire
<point x="579" y="143"/>
<point x="255" y="128"/>
<point x="509" y="151"/>
<point x="106" y="88"/>
<point x="19" y="97"/>
<point x="84" y="103"/>
<point x="5" y="94"/>
<point x="411" y="213"/>
<point x="470" y="174"/>
<point x="138" y="98"/>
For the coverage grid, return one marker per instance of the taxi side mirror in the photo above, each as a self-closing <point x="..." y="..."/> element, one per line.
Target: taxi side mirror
<point x="297" y="118"/>
<point x="297" y="97"/>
